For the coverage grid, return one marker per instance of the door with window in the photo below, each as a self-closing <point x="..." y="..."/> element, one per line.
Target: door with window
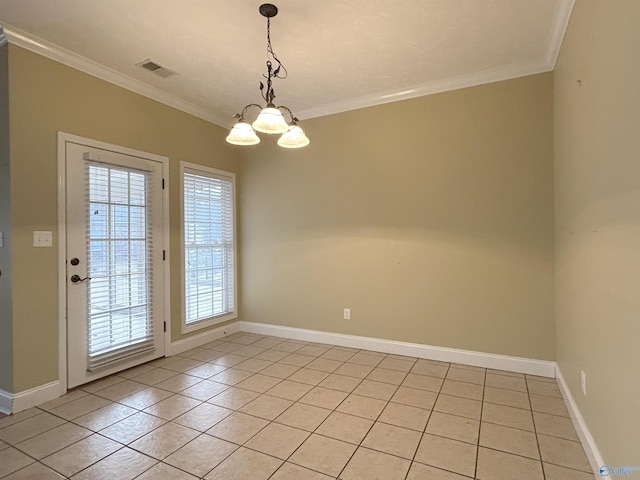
<point x="114" y="261"/>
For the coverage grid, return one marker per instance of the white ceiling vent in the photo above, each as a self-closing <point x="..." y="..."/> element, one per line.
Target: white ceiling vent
<point x="156" y="68"/>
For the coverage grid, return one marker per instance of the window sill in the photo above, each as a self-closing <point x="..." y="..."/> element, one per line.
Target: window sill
<point x="210" y="322"/>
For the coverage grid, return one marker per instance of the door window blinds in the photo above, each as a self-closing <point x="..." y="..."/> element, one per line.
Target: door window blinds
<point x="119" y="241"/>
<point x="209" y="283"/>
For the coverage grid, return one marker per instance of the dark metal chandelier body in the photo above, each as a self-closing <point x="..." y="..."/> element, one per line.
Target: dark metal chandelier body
<point x="271" y="119"/>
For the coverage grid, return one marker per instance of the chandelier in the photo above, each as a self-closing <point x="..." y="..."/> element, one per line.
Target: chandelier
<point x="271" y="119"/>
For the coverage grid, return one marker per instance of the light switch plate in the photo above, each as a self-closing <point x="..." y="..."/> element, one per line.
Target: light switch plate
<point x="42" y="239"/>
<point x="1" y="239"/>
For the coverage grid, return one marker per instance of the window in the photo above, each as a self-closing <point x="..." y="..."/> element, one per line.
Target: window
<point x="209" y="246"/>
<point x="119" y="256"/>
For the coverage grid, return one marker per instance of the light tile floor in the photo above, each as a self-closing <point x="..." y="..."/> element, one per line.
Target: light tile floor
<point x="257" y="408"/>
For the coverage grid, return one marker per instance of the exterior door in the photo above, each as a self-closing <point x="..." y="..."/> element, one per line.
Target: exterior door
<point x="114" y="255"/>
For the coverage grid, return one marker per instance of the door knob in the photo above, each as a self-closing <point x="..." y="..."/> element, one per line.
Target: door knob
<point x="77" y="278"/>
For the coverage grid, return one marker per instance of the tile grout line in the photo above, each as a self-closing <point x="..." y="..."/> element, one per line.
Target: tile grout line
<point x="377" y="417"/>
<point x="463" y="397"/>
<point x="336" y="410"/>
<point x="484" y="385"/>
<point x="449" y="367"/>
<point x="318" y="426"/>
<point x="35" y="460"/>
<point x="535" y="430"/>
<point x="426" y="423"/>
<point x="387" y="402"/>
<point x="294" y="403"/>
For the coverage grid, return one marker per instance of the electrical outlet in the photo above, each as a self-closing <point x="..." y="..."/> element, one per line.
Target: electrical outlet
<point x="347" y="314"/>
<point x="583" y="382"/>
<point x="42" y="239"/>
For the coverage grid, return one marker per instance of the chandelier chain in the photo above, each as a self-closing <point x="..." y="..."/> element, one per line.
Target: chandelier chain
<point x="272" y="55"/>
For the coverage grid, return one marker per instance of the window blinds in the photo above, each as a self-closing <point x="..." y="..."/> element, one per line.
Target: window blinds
<point x="119" y="242"/>
<point x="208" y="246"/>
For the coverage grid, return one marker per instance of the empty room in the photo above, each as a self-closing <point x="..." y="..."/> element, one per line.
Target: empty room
<point x="319" y="240"/>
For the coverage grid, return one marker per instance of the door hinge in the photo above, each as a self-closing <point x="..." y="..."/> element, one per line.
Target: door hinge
<point x="165" y="327"/>
<point x="163" y="183"/>
<point x="164" y="254"/>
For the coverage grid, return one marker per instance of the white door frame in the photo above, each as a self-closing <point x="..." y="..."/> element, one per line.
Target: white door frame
<point x="63" y="138"/>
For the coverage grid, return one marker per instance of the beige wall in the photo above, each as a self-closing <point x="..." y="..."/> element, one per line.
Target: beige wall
<point x="6" y="330"/>
<point x="597" y="180"/>
<point x="432" y="219"/>
<point x="47" y="97"/>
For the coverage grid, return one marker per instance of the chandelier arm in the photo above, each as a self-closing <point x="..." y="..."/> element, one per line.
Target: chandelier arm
<point x="294" y="119"/>
<point x="240" y="115"/>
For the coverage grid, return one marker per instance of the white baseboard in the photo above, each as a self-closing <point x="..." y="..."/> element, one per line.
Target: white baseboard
<point x="36" y="396"/>
<point x="201" y="338"/>
<point x="588" y="443"/>
<point x="17" y="402"/>
<point x="542" y="368"/>
<point x="14" y="403"/>
<point x="6" y="402"/>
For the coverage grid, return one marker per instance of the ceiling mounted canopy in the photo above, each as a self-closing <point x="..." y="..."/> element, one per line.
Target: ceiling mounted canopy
<point x="272" y="118"/>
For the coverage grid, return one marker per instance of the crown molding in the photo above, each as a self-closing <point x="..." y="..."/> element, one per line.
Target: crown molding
<point x="54" y="52"/>
<point x="66" y="57"/>
<point x="439" y="86"/>
<point x="556" y="36"/>
<point x="559" y="28"/>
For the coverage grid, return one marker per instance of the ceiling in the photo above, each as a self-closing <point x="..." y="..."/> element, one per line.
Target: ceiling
<point x="340" y="55"/>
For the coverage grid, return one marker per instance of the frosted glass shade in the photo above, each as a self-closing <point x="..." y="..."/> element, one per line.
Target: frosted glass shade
<point x="242" y="134"/>
<point x="270" y="120"/>
<point x="293" y="138"/>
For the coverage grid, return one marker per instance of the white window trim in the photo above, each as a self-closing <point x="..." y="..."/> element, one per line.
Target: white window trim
<point x="195" y="168"/>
